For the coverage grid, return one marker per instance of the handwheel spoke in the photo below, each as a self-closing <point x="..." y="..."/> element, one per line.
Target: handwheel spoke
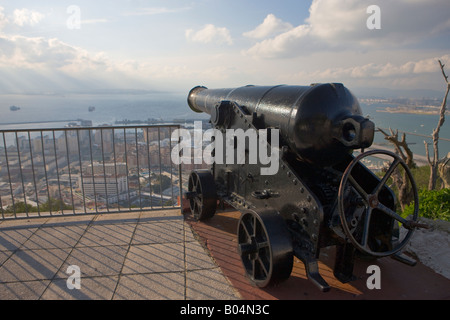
<point x="391" y="213"/>
<point x="365" y="234"/>
<point x="386" y="176"/>
<point x="358" y="187"/>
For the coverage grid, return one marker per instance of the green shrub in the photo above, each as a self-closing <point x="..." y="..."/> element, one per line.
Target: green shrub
<point x="434" y="204"/>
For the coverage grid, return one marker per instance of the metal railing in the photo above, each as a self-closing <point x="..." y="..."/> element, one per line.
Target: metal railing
<point x="84" y="170"/>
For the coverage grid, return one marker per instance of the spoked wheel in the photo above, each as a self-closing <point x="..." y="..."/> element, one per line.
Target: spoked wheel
<point x="265" y="247"/>
<point x="362" y="206"/>
<point x="202" y="194"/>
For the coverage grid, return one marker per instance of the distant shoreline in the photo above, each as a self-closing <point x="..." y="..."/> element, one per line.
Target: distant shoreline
<point x="419" y="112"/>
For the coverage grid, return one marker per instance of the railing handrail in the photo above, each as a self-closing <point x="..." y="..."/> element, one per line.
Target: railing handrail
<point x="165" y="125"/>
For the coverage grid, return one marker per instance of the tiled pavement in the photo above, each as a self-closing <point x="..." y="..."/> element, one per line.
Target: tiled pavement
<point x="144" y="255"/>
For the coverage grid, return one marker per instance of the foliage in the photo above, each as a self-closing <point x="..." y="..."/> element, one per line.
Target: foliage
<point x="421" y="176"/>
<point x="433" y="204"/>
<point x="161" y="182"/>
<point x="51" y="205"/>
<point x="54" y="205"/>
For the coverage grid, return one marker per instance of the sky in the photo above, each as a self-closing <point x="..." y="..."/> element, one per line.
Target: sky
<point x="54" y="46"/>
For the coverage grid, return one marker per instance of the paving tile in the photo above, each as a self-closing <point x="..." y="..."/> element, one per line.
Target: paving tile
<point x="148" y="258"/>
<point x="4" y="255"/>
<point x="188" y="234"/>
<point x="95" y="261"/>
<point x="154" y="286"/>
<point x="197" y="257"/>
<point x="159" y="232"/>
<point x="95" y="288"/>
<point x="27" y="290"/>
<point x="108" y="234"/>
<point x="55" y="237"/>
<point x="112" y="218"/>
<point x="14" y="238"/>
<point x="27" y="265"/>
<point x="208" y="285"/>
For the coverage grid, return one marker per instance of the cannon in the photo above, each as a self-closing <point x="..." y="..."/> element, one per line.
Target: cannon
<point x="321" y="192"/>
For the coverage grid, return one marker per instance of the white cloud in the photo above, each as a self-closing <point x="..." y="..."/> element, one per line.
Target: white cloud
<point x="289" y="43"/>
<point x="210" y="34"/>
<point x="25" y="52"/>
<point x="53" y="65"/>
<point x="337" y="24"/>
<point x="381" y="73"/>
<point x="23" y="17"/>
<point x="3" y="18"/>
<point x="270" y="26"/>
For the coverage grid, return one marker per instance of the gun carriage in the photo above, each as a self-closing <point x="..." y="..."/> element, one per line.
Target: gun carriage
<point x="320" y="194"/>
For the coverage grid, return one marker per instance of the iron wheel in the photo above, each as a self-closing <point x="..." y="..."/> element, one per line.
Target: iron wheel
<point x="202" y="194"/>
<point x="265" y="247"/>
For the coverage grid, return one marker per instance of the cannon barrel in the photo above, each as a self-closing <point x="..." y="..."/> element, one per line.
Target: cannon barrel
<point x="321" y="123"/>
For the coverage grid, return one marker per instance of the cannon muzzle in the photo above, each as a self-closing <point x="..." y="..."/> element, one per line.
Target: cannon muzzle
<point x="321" y="123"/>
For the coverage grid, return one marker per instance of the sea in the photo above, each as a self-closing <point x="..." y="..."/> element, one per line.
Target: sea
<point x="56" y="111"/>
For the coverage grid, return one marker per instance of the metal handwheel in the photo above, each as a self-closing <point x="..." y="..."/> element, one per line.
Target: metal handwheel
<point x="357" y="223"/>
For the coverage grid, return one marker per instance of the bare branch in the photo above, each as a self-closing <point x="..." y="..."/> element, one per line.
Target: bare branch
<point x="443" y="71"/>
<point x="393" y="138"/>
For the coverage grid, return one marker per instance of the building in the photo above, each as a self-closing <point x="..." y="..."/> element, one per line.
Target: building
<point x="102" y="187"/>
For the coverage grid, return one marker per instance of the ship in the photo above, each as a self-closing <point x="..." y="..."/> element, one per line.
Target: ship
<point x="91" y="109"/>
<point x="14" y="108"/>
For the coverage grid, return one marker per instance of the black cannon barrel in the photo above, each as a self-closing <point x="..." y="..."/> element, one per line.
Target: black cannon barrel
<point x="321" y="123"/>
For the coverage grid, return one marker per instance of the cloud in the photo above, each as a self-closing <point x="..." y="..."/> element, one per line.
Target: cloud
<point x="22" y="17"/>
<point x="270" y="26"/>
<point x="40" y="64"/>
<point x="210" y="34"/>
<point x="414" y="70"/>
<point x="3" y="18"/>
<point x="25" y="52"/>
<point x="341" y="25"/>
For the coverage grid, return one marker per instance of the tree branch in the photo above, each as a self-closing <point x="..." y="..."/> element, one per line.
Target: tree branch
<point x="393" y="138"/>
<point x="443" y="71"/>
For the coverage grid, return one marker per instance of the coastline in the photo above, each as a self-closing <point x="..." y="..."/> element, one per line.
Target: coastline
<point x="419" y="112"/>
